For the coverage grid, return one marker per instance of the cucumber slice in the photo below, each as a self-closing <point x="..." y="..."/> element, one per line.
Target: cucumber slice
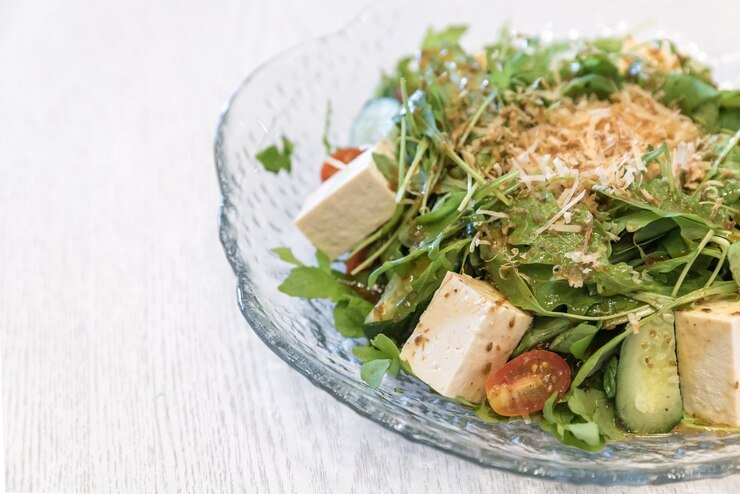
<point x="648" y="394"/>
<point x="374" y="122"/>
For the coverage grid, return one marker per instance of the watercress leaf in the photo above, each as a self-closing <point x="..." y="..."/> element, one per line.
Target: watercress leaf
<point x="323" y="261"/>
<point x="274" y="159"/>
<point x="386" y="345"/>
<point x="587" y="432"/>
<point x="349" y="316"/>
<point x="367" y="353"/>
<point x="548" y="411"/>
<point x="593" y="406"/>
<point x="286" y="255"/>
<point x="373" y="372"/>
<point x="312" y="282"/>
<point x="486" y="413"/>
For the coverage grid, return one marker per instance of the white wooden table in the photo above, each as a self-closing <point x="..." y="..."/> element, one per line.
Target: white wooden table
<point x="126" y="365"/>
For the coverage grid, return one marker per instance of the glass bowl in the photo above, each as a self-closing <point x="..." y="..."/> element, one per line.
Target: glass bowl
<point x="288" y="96"/>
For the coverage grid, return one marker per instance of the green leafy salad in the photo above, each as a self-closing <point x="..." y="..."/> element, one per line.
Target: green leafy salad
<point x="539" y="231"/>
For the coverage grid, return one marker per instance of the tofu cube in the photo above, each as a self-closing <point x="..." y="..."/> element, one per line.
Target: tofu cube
<point x="708" y="344"/>
<point x="349" y="206"/>
<point x="468" y="331"/>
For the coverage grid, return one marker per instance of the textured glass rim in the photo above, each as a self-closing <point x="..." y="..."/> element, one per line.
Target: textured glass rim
<point x="360" y="398"/>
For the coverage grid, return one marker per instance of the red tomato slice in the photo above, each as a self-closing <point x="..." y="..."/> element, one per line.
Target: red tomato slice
<point x="523" y="385"/>
<point x="345" y="155"/>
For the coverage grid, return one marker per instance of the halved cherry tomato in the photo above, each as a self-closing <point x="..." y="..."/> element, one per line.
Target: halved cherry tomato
<point x="355" y="260"/>
<point x="345" y="155"/>
<point x="523" y="385"/>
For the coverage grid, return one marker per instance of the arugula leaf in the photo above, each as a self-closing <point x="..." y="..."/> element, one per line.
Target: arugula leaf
<point x="542" y="329"/>
<point x="610" y="377"/>
<point x="695" y="97"/>
<point x="575" y="341"/>
<point x="729" y="109"/>
<point x="274" y="159"/>
<point x="594" y="362"/>
<point x="635" y="220"/>
<point x="657" y="196"/>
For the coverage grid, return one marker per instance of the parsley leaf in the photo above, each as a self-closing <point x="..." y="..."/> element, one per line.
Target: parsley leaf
<point x="274" y="159"/>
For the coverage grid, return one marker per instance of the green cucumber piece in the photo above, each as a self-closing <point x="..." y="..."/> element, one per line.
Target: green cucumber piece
<point x="648" y="394"/>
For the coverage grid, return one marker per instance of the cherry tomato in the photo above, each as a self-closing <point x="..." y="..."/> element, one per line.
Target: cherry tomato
<point x="345" y="155"/>
<point x="523" y="385"/>
<point x="355" y="260"/>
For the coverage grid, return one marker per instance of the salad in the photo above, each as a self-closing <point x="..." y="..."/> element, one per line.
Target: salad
<point x="540" y="231"/>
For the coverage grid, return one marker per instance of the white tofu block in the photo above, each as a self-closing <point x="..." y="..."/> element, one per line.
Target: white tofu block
<point x="708" y="344"/>
<point x="349" y="206"/>
<point x="468" y="331"/>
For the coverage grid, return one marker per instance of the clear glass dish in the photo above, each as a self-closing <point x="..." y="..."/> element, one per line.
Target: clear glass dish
<point x="288" y="96"/>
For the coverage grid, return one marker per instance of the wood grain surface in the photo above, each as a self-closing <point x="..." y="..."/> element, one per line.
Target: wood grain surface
<point x="126" y="366"/>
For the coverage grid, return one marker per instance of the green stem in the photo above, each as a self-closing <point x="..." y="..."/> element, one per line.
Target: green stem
<point x="462" y="164"/>
<point x="383" y="231"/>
<point x="468" y="195"/>
<point x="688" y="265"/>
<point x="402" y="154"/>
<point x="407" y="107"/>
<point x="420" y="150"/>
<point x="371" y="259"/>
<point x="476" y="116"/>
<point x="724" y="246"/>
